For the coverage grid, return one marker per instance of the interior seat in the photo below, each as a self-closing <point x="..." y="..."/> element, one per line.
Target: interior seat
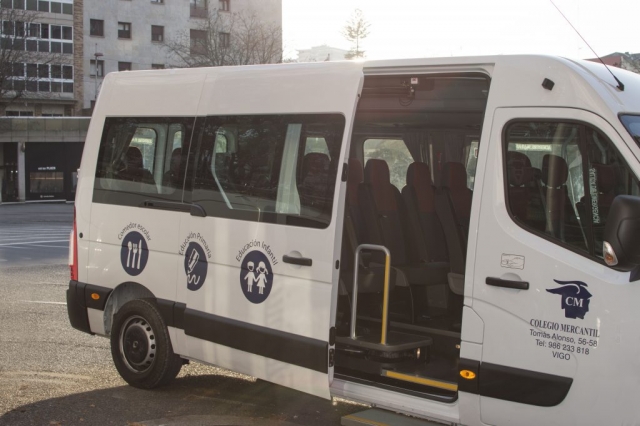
<point x="314" y="184"/>
<point x="419" y="196"/>
<point x="386" y="222"/>
<point x="524" y="194"/>
<point x="173" y="178"/>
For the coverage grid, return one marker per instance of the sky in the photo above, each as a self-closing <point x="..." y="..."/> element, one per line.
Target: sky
<point x="428" y="28"/>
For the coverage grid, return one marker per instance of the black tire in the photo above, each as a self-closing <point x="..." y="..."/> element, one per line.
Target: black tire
<point x="141" y="347"/>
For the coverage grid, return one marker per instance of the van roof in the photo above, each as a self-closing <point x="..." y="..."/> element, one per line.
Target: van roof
<point x="516" y="79"/>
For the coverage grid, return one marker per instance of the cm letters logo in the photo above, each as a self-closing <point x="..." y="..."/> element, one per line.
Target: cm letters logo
<point x="575" y="298"/>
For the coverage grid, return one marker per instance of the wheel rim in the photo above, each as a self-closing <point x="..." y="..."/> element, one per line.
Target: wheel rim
<point x="137" y="344"/>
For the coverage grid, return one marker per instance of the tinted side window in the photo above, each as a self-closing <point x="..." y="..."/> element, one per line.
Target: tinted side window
<point x="275" y="168"/>
<point x="561" y="180"/>
<point x="142" y="158"/>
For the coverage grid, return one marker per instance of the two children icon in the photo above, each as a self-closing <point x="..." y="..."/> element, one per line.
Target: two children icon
<point x="261" y="279"/>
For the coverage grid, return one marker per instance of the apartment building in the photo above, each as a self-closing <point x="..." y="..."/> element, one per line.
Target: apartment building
<point x="121" y="35"/>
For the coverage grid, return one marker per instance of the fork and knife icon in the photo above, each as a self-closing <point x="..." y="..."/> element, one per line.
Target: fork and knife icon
<point x="137" y="251"/>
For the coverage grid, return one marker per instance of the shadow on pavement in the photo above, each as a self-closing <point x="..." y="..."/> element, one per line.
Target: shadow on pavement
<point x="191" y="400"/>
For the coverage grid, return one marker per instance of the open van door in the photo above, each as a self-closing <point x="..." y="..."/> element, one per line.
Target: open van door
<point x="261" y="246"/>
<point x="558" y="323"/>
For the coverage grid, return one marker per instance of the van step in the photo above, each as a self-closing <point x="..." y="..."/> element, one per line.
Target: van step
<point x="426" y="381"/>
<point x="396" y="342"/>
<point x="377" y="417"/>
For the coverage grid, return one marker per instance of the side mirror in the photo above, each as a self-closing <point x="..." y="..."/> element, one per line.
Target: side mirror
<point x="622" y="234"/>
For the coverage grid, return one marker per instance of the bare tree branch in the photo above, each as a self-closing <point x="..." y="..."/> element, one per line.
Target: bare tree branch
<point x="227" y="39"/>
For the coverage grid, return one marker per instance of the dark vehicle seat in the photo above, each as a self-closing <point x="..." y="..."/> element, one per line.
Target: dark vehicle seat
<point x="173" y="178"/>
<point x="419" y="196"/>
<point x="386" y="222"/>
<point x="315" y="184"/>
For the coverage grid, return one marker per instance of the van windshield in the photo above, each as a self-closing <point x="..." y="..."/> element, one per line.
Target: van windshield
<point x="632" y="123"/>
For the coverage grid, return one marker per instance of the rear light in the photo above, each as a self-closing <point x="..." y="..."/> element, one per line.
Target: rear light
<point x="73" y="249"/>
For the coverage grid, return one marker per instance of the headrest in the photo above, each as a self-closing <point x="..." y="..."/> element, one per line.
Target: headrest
<point x="419" y="175"/>
<point x="354" y="179"/>
<point x="454" y="176"/>
<point x="519" y="170"/>
<point x="315" y="163"/>
<point x="133" y="158"/>
<point x="376" y="172"/>
<point x="606" y="177"/>
<point x="554" y="171"/>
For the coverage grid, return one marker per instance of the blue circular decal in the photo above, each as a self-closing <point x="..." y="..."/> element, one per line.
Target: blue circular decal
<point x="256" y="277"/>
<point x="134" y="253"/>
<point x="195" y="266"/>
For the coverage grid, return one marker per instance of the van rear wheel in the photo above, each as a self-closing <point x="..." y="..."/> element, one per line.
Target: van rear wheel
<point x="141" y="347"/>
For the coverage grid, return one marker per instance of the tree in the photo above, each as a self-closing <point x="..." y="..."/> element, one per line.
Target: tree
<point x="227" y="39"/>
<point x="20" y="61"/>
<point x="357" y="28"/>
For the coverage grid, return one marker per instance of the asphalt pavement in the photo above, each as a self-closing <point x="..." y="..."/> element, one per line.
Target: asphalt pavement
<point x="51" y="374"/>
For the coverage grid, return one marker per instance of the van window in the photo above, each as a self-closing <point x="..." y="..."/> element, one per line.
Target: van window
<point x="632" y="123"/>
<point x="272" y="168"/>
<point x="561" y="179"/>
<point x="142" y="158"/>
<point x="395" y="153"/>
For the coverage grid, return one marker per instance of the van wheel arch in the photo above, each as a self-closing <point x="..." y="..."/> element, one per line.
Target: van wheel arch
<point x="122" y="294"/>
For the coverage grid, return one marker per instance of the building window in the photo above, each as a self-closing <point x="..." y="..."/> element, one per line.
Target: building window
<point x="157" y="1"/>
<point x="43" y="6"/>
<point x="157" y="66"/>
<point x="224" y="5"/>
<point x="225" y="39"/>
<point x="198" y="42"/>
<point x="19" y="113"/>
<point x="124" y="30"/>
<point x="56" y="7"/>
<point x="96" y="27"/>
<point x="198" y="8"/>
<point x="99" y="72"/>
<point x="157" y="33"/>
<point x="124" y="66"/>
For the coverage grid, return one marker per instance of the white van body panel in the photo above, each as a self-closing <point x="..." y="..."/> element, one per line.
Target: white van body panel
<point x="301" y="302"/>
<point x="510" y="315"/>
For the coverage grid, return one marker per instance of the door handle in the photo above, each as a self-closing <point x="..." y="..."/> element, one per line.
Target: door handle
<point x="165" y="205"/>
<point x="499" y="282"/>
<point x="303" y="261"/>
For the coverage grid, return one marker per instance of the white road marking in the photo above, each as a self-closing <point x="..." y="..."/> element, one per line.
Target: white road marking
<point x="25" y="238"/>
<point x="43" y="302"/>
<point x="33" y="242"/>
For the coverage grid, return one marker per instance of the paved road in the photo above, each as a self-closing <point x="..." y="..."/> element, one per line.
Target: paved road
<point x="35" y="233"/>
<point x="51" y="374"/>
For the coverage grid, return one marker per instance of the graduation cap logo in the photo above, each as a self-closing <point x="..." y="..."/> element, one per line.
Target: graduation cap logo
<point x="575" y="298"/>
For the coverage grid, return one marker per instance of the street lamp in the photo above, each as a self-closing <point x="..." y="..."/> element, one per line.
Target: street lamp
<point x="96" y="55"/>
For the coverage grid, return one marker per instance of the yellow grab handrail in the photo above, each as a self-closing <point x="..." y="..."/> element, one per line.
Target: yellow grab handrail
<point x="385" y="300"/>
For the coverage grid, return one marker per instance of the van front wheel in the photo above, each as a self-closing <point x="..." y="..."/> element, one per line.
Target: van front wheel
<point x="141" y="347"/>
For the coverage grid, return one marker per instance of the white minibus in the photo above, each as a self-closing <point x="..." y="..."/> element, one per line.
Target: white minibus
<point x="455" y="239"/>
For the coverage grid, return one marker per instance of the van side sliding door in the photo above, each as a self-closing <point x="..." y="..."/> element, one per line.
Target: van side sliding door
<point x="259" y="247"/>
<point x="560" y="327"/>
